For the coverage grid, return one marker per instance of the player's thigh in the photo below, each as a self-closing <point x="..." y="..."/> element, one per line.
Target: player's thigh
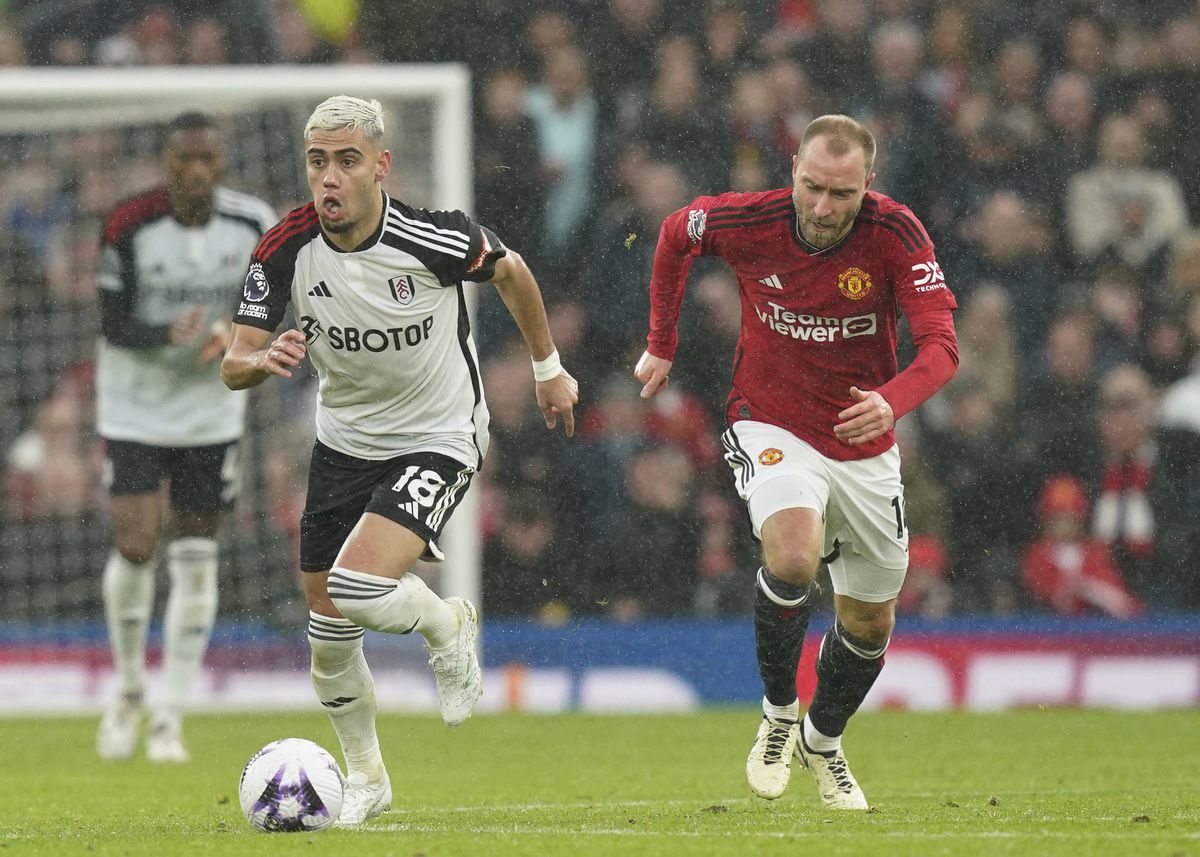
<point x="774" y="470"/>
<point x="408" y="497"/>
<point x="134" y="474"/>
<point x="407" y="513"/>
<point x="867" y="530"/>
<point x="205" y="482"/>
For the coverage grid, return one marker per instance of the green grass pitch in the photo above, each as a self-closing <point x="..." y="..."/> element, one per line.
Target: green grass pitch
<point x="1028" y="783"/>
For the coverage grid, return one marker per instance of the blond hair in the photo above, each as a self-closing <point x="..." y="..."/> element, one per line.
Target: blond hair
<point x="840" y="133"/>
<point x="347" y="113"/>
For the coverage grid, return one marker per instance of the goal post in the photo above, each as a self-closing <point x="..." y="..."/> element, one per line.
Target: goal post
<point x="60" y="123"/>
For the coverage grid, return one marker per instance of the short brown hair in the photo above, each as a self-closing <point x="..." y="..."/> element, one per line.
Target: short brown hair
<point x="841" y="132"/>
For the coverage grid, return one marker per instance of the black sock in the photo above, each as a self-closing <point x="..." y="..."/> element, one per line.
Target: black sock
<point x="781" y="614"/>
<point x="846" y="669"/>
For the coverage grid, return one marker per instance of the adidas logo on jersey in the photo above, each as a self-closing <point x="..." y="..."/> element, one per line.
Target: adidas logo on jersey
<point x="772" y="281"/>
<point x="320" y="290"/>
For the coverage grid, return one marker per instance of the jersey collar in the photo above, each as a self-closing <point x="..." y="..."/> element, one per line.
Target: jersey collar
<point x="368" y="242"/>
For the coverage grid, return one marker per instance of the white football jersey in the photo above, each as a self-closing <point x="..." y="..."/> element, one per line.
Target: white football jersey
<point x="152" y="270"/>
<point x="386" y="327"/>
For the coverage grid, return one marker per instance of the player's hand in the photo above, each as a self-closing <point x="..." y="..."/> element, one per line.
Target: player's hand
<point x="652" y="373"/>
<point x="868" y="418"/>
<point x="187" y="328"/>
<point x="284" y="353"/>
<point x="217" y="343"/>
<point x="558" y="398"/>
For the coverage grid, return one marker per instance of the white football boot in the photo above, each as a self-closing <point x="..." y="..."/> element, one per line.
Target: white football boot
<point x="364" y="799"/>
<point x="456" y="666"/>
<point x="164" y="742"/>
<point x="835" y="784"/>
<point x="769" y="766"/>
<point x="117" y="736"/>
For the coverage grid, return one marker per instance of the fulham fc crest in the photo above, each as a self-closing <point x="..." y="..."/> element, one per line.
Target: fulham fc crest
<point x="403" y="289"/>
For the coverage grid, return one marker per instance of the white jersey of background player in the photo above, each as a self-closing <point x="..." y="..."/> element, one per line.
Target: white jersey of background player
<point x="377" y="289"/>
<point x="169" y="258"/>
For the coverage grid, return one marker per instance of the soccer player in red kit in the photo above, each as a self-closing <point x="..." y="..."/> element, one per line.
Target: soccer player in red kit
<point x="824" y="268"/>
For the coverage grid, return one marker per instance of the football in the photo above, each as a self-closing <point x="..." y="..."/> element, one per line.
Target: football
<point x="291" y="786"/>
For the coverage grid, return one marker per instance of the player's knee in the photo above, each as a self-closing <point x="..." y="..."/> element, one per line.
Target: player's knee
<point x="138" y="548"/>
<point x="873" y="627"/>
<point x="793" y="562"/>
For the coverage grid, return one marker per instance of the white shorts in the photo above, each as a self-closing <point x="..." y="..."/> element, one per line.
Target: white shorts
<point x="861" y="503"/>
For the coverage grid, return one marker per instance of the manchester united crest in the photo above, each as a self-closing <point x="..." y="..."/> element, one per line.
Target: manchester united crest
<point x="770" y="456"/>
<point x="854" y="283"/>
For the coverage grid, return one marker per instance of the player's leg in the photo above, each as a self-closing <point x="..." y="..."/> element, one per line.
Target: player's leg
<point x="344" y="685"/>
<point x="867" y="571"/>
<point x="339" y="488"/>
<point x="370" y="585"/>
<point x="127" y="587"/>
<point x="203" y="486"/>
<point x="785" y="490"/>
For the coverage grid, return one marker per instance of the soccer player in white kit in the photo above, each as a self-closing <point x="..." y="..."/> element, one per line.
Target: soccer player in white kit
<point x="169" y="259"/>
<point x="377" y="289"/>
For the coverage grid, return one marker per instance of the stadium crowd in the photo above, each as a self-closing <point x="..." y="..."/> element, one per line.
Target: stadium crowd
<point x="1047" y="148"/>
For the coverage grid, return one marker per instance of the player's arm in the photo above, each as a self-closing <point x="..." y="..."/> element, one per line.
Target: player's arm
<point x="118" y="322"/>
<point x="680" y="239"/>
<point x="557" y="392"/>
<point x="250" y="360"/>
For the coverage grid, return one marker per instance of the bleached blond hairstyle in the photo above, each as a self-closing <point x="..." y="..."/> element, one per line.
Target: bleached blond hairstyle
<point x="347" y="113"/>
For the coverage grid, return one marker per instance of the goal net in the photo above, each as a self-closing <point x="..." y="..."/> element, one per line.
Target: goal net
<point x="78" y="141"/>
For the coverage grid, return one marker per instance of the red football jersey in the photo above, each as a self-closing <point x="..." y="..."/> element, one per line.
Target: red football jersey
<point x="815" y="322"/>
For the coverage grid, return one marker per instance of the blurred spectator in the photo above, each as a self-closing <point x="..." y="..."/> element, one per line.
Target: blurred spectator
<point x="1056" y="412"/>
<point x="508" y="187"/>
<point x="974" y="459"/>
<point x="987" y="347"/>
<point x="729" y="47"/>
<point x="622" y="253"/>
<point x="1116" y="305"/>
<point x="1008" y="247"/>
<point x="1067" y="571"/>
<point x="652" y="569"/>
<point x="951" y="57"/>
<point x="762" y="146"/>
<point x="1175" y="487"/>
<point x="1123" y="517"/>
<point x="625" y="41"/>
<point x="564" y="113"/>
<point x="1183" y="272"/>
<point x="927" y="592"/>
<point x="12" y="47"/>
<point x="925" y="498"/>
<point x="1122" y="206"/>
<point x="524" y="576"/>
<point x="834" y="54"/>
<point x="899" y="113"/>
<point x="676" y="124"/>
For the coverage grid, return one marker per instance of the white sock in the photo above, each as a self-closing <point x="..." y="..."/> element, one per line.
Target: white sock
<point x="393" y="606"/>
<point x="346" y="691"/>
<point x="128" y="593"/>
<point x="817" y="741"/>
<point x="191" y="610"/>
<point x="782" y="712"/>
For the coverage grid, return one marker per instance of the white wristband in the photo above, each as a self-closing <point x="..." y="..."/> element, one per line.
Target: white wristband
<point x="551" y="367"/>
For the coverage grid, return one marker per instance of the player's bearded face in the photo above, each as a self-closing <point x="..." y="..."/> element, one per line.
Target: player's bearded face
<point x="827" y="191"/>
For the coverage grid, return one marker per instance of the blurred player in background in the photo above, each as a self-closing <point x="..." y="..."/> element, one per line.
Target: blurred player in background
<point x="376" y="286"/>
<point x="823" y="268"/>
<point x="170" y="258"/>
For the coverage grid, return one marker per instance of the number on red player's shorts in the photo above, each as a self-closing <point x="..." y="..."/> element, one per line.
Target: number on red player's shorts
<point x="899" y="517"/>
